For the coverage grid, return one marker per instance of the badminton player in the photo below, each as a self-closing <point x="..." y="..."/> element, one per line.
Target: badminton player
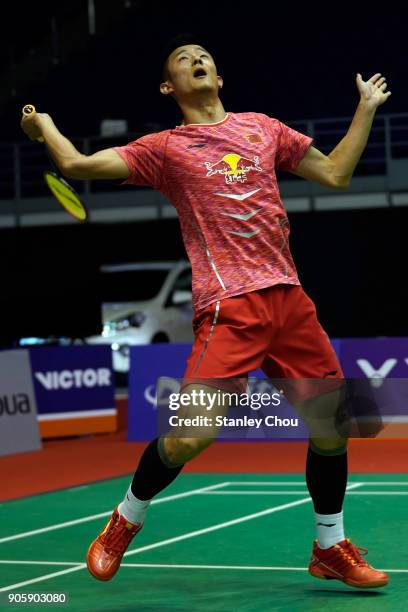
<point x="218" y="170"/>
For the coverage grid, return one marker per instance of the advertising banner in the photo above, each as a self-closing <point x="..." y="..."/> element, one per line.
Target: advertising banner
<point x="377" y="385"/>
<point x="74" y="387"/>
<point x="375" y="358"/>
<point x="18" y="414"/>
<point x="147" y="364"/>
<point x="384" y="363"/>
<point x="159" y="367"/>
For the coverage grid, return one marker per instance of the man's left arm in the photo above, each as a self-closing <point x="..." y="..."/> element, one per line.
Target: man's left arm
<point x="337" y="168"/>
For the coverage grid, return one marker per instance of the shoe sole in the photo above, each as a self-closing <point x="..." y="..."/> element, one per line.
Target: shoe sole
<point x="371" y="585"/>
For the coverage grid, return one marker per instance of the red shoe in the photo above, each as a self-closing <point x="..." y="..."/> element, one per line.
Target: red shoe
<point x="105" y="553"/>
<point x="344" y="562"/>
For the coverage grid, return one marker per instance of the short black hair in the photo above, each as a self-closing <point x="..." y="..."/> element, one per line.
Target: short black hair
<point x="188" y="38"/>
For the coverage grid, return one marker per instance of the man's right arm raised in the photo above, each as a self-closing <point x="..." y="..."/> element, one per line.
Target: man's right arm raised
<point x="105" y="164"/>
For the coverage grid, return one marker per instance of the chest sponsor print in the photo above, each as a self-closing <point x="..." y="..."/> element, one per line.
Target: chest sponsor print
<point x="233" y="167"/>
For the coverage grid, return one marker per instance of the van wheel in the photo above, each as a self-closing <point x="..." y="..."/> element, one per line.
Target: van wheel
<point x="161" y="338"/>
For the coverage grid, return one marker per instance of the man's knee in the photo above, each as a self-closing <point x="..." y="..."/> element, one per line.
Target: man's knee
<point x="180" y="450"/>
<point x="328" y="446"/>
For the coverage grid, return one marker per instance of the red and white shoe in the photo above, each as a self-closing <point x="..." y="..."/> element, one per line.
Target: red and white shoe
<point x="105" y="553"/>
<point x="344" y="562"/>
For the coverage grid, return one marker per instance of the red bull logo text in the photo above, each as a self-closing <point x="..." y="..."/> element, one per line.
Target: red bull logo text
<point x="234" y="167"/>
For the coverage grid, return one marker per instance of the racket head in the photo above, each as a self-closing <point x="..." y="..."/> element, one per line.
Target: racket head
<point x="66" y="196"/>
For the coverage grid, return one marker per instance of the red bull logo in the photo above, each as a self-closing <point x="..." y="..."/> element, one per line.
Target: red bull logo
<point x="234" y="167"/>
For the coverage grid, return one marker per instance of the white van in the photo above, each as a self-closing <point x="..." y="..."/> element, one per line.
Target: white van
<point x="144" y="303"/>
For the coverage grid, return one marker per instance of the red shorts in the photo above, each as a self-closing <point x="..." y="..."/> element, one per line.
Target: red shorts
<point x="274" y="329"/>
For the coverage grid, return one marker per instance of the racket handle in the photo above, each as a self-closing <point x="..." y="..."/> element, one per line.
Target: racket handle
<point x="29" y="109"/>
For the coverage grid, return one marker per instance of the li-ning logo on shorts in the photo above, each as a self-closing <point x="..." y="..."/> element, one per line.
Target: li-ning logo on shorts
<point x="234" y="167"/>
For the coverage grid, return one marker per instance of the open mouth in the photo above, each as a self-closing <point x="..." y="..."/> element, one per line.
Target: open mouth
<point x="199" y="73"/>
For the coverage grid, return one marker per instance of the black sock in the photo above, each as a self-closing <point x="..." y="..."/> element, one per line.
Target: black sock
<point x="152" y="474"/>
<point x="326" y="479"/>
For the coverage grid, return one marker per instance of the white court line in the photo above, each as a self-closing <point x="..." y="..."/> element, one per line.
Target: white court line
<point x="352" y="485"/>
<point x="300" y="493"/>
<point x="42" y="578"/>
<point x="237" y="521"/>
<point x="93" y="517"/>
<point x="268" y="483"/>
<point x="218" y="567"/>
<point x="242" y="519"/>
<point x="190" y="566"/>
<point x="238" y="567"/>
<point x="385" y="483"/>
<point x="256" y="493"/>
<point x="379" y="493"/>
<point x="185" y="536"/>
<point x="13" y="562"/>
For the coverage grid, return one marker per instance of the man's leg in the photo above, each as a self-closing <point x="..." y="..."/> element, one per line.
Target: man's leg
<point x="164" y="458"/>
<point x="303" y="361"/>
<point x="333" y="555"/>
<point x="221" y="351"/>
<point x="326" y="478"/>
<point x="161" y="462"/>
<point x="154" y="473"/>
<point x="326" y="464"/>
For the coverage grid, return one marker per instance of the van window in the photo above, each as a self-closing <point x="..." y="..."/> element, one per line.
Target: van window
<point x="131" y="285"/>
<point x="183" y="281"/>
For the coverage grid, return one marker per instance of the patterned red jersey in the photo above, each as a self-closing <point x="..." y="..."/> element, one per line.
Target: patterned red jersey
<point x="221" y="179"/>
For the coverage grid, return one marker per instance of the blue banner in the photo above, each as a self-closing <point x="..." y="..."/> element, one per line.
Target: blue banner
<point x="147" y="364"/>
<point x="371" y="358"/>
<point x="375" y="358"/>
<point x="72" y="379"/>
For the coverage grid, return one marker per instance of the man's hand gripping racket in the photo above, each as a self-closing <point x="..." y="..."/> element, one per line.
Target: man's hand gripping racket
<point x="61" y="190"/>
<point x="29" y="125"/>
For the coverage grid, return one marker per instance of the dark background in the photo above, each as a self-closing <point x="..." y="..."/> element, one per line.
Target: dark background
<point x="353" y="264"/>
<point x="290" y="62"/>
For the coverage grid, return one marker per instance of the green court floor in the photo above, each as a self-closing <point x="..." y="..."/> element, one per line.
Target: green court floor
<point x="219" y="542"/>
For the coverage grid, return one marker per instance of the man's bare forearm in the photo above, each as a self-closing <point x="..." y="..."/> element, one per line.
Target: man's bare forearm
<point x="347" y="153"/>
<point x="104" y="164"/>
<point x="61" y="149"/>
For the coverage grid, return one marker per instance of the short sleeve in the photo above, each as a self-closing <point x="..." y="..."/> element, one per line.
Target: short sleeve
<point x="291" y="145"/>
<point x="145" y="159"/>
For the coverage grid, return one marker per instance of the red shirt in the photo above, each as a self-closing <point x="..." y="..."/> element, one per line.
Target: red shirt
<point x="221" y="179"/>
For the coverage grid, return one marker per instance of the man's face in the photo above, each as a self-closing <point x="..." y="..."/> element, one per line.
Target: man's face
<point x="190" y="70"/>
